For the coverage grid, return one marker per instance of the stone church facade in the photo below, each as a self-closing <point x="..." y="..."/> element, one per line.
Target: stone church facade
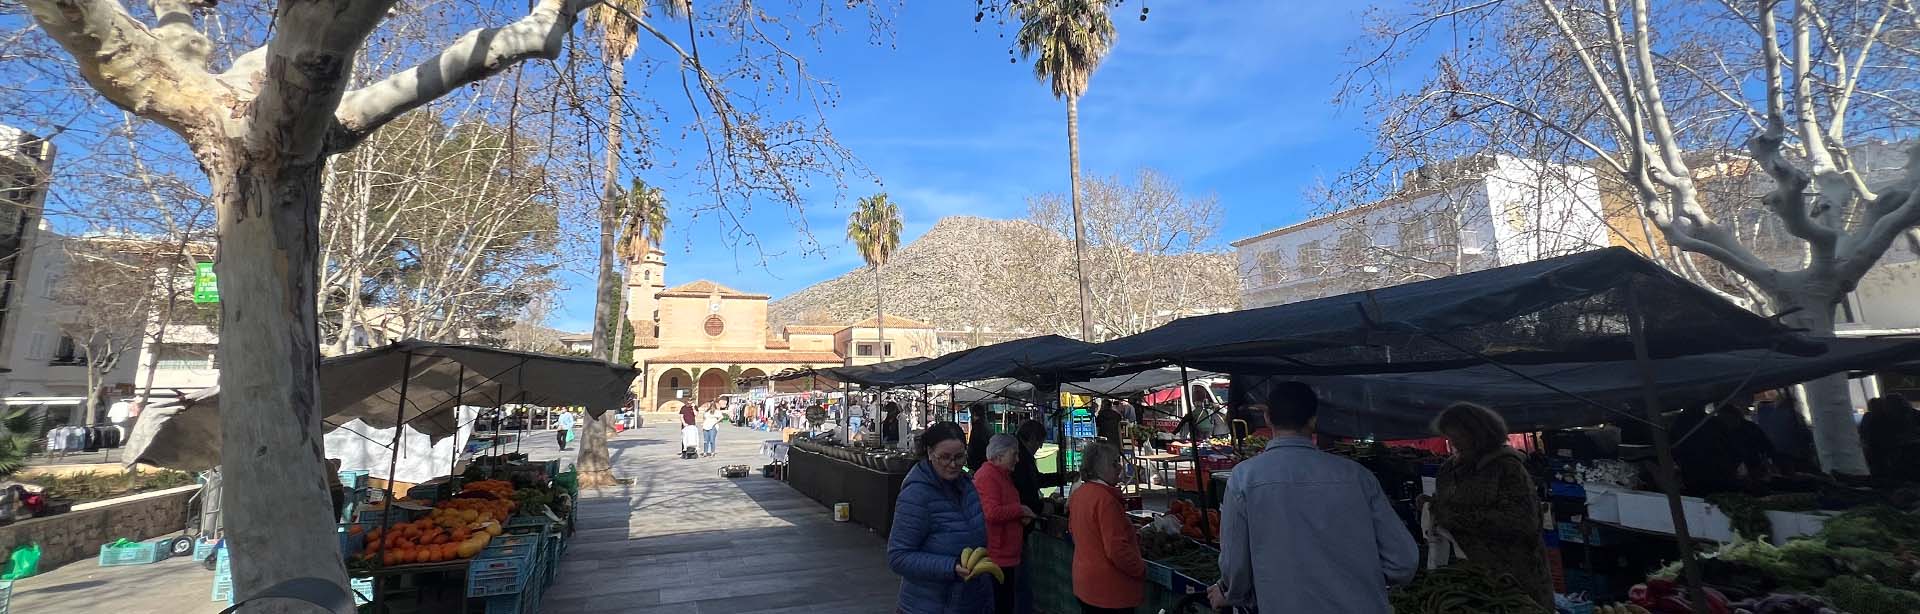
<point x="694" y="341"/>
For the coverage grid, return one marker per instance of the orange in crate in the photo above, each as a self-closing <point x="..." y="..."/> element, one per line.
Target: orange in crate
<point x="1188" y="480"/>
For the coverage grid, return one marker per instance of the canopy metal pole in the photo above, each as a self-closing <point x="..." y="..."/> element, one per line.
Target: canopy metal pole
<point x="1664" y="472"/>
<point x="1202" y="479"/>
<point x="459" y="400"/>
<point x="393" y="462"/>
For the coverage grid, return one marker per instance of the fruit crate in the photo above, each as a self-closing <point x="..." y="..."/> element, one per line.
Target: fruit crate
<point x="145" y="553"/>
<point x="530" y="540"/>
<point x="500" y="570"/>
<point x="525" y="602"/>
<point x="529" y="524"/>
<point x="202" y="548"/>
<point x="495" y="583"/>
<point x="354" y="479"/>
<point x="352" y="543"/>
<point x="223" y="579"/>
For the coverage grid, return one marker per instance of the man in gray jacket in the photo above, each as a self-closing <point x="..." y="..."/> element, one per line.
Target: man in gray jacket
<point x="1306" y="531"/>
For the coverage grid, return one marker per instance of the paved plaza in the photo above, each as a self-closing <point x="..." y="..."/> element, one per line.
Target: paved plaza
<point x="680" y="539"/>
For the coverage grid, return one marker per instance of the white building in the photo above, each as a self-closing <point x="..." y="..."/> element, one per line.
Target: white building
<point x="26" y="168"/>
<point x="1472" y="214"/>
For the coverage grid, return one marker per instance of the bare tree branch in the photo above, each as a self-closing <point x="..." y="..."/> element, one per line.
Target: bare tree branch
<point x="477" y="55"/>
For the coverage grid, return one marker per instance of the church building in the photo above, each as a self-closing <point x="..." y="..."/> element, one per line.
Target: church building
<point x="695" y="340"/>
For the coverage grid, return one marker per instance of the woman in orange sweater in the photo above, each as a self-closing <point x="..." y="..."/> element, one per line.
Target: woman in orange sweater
<point x="1108" y="574"/>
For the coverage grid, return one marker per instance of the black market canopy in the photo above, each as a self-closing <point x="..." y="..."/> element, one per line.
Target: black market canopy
<point x="1014" y="359"/>
<point x="862" y="375"/>
<point x="1010" y="359"/>
<point x="1116" y="386"/>
<point x="1573" y="308"/>
<point x="1400" y="405"/>
<point x="367" y="386"/>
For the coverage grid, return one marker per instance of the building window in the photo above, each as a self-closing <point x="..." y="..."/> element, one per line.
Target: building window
<point x="37" y="349"/>
<point x="1309" y="257"/>
<point x="715" y="326"/>
<point x="66" y="352"/>
<point x="673" y="382"/>
<point x="46" y="290"/>
<point x="863" y="349"/>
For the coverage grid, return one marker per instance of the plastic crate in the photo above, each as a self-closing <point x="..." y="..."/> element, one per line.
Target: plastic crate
<point x="1159" y="575"/>
<point x="494" y="583"/>
<point x="223" y="579"/>
<point x="504" y="540"/>
<point x="501" y="570"/>
<point x="202" y="548"/>
<point x="362" y="590"/>
<point x="146" y="552"/>
<point x="526" y="602"/>
<point x="529" y="524"/>
<point x="350" y="543"/>
<point x="354" y="479"/>
<point x="375" y="516"/>
<point x="431" y="492"/>
<point x="1567" y="490"/>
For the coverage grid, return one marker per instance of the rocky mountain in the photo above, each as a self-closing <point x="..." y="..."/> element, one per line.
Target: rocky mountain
<point x="1000" y="275"/>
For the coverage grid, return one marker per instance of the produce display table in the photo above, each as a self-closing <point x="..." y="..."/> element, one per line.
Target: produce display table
<point x="1049" y="567"/>
<point x="870" y="493"/>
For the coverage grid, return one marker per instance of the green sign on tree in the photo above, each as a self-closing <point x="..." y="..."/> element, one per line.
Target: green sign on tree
<point x="206" y="289"/>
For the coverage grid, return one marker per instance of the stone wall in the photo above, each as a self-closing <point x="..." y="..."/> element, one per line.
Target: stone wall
<point x="78" y="535"/>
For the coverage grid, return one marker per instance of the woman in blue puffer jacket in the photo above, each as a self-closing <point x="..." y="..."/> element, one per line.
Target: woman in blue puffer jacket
<point x="938" y="515"/>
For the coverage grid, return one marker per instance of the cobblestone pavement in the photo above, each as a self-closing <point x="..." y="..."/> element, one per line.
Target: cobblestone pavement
<point x="680" y="539"/>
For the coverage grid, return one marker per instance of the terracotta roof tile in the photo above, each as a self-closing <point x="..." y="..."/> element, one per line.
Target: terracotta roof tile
<point x="705" y="288"/>
<point x="749" y="356"/>
<point x="812" y="329"/>
<point x="893" y="321"/>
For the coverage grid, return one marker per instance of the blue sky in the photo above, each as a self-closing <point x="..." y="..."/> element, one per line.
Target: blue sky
<point x="1229" y="98"/>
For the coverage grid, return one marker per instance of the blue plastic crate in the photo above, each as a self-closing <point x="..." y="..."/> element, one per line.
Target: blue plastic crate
<point x="530" y="540"/>
<point x="354" y="479"/>
<point x="500" y="570"/>
<point x="373" y="516"/>
<point x="145" y="553"/>
<point x="202" y="548"/>
<point x="494" y="583"/>
<point x="223" y="579"/>
<point x="1160" y="575"/>
<point x="350" y="543"/>
<point x="1567" y="490"/>
<point x="527" y="602"/>
<point x="362" y="590"/>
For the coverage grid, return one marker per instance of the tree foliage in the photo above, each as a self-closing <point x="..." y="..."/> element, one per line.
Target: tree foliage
<point x="1152" y="250"/>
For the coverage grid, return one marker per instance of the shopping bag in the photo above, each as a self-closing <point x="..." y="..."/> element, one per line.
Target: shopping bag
<point x="25" y="562"/>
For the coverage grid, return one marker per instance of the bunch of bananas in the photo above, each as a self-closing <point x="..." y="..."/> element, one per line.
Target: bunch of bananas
<point x="976" y="562"/>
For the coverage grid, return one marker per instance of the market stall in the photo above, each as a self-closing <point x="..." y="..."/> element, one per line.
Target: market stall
<point x="483" y="538"/>
<point x="866" y="480"/>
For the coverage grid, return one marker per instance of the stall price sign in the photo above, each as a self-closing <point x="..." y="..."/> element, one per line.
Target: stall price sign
<point x="206" y="289"/>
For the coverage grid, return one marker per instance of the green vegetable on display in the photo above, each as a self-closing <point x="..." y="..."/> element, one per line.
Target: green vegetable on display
<point x="1463" y="589"/>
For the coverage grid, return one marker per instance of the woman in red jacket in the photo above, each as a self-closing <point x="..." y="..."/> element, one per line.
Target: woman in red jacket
<point x="1006" y="520"/>
<point x="1108" y="574"/>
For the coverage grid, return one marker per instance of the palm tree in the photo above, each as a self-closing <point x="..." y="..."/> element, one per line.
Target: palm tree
<point x="617" y="22"/>
<point x="1067" y="39"/>
<point x="646" y="220"/>
<point x="874" y="228"/>
<point x="643" y="215"/>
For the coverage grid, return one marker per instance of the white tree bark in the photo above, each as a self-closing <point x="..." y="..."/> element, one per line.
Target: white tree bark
<point x="262" y="135"/>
